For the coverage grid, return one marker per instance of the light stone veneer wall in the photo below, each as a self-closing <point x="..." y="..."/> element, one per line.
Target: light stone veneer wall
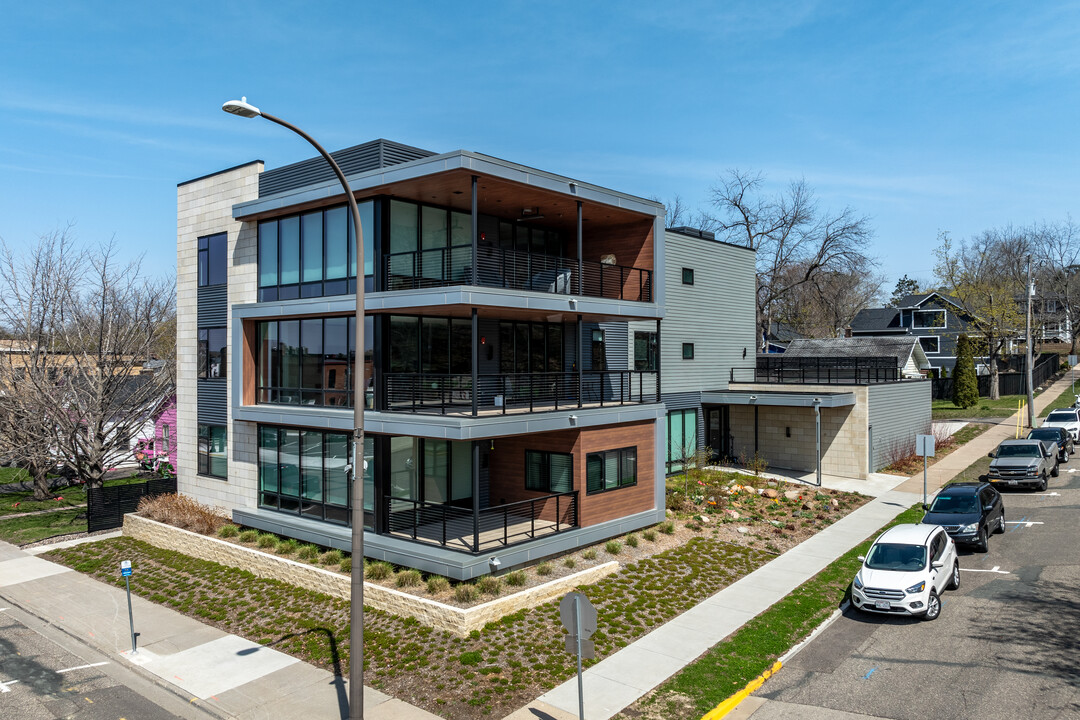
<point x="844" y="449"/>
<point x="204" y="207"/>
<point x="460" y="621"/>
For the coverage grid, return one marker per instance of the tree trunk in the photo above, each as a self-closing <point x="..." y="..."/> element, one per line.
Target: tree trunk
<point x="995" y="392"/>
<point x="40" y="474"/>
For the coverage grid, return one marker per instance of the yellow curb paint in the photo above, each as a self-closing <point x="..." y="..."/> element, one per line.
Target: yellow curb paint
<point x="733" y="702"/>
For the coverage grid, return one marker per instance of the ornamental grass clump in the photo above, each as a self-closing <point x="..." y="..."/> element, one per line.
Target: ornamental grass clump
<point x="489" y="585"/>
<point x="466" y="593"/>
<point x="589" y="554"/>
<point x="267" y="541"/>
<point x="228" y="531"/>
<point x="378" y="570"/>
<point x="307" y="552"/>
<point x="331" y="557"/>
<point x="345" y="566"/>
<point x="515" y="578"/>
<point x="570" y="562"/>
<point x="437" y="584"/>
<point x="183" y="512"/>
<point x="249" y="536"/>
<point x="649" y="535"/>
<point x="287" y="546"/>
<point x="613" y="547"/>
<point x="544" y="568"/>
<point x="667" y="527"/>
<point x="631" y="540"/>
<point x="407" y="578"/>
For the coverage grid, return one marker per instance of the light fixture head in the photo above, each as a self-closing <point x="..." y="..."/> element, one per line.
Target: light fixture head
<point x="495" y="563"/>
<point x="242" y="108"/>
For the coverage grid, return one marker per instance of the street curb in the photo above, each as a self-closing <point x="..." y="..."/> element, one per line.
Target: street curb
<point x="735" y="700"/>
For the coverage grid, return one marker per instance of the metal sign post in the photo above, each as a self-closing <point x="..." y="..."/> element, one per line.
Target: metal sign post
<point x="579" y="618"/>
<point x="924" y="446"/>
<point x="125" y="570"/>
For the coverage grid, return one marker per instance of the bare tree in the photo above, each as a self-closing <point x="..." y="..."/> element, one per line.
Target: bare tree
<point x="987" y="276"/>
<point x="826" y="304"/>
<point x="86" y="324"/>
<point x="1056" y="247"/>
<point x="678" y="214"/>
<point x="795" y="241"/>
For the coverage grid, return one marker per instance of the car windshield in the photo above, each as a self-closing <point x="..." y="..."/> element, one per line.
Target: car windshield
<point x="1047" y="434"/>
<point x="954" y="504"/>
<point x="894" y="556"/>
<point x="1062" y="416"/>
<point x="1018" y="451"/>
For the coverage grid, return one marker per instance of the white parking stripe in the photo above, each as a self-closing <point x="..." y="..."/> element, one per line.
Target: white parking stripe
<point x="994" y="569"/>
<point x="82" y="667"/>
<point x="1025" y="523"/>
<point x="4" y="686"/>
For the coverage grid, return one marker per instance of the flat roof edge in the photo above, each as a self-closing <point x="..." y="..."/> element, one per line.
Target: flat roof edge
<point x="218" y="172"/>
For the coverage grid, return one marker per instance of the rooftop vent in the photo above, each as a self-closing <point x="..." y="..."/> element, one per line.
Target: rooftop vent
<point x="693" y="232"/>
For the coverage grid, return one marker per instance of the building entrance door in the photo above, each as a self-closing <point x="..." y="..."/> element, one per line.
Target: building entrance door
<point x="718" y="431"/>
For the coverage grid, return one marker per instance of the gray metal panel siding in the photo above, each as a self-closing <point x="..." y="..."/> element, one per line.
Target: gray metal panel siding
<point x="357" y="159"/>
<point x="616" y="345"/>
<point x="213" y="306"/>
<point x="897" y="412"/>
<point x="717" y="313"/>
<point x="213" y="404"/>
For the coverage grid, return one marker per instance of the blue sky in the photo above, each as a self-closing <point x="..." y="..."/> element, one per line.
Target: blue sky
<point x="924" y="116"/>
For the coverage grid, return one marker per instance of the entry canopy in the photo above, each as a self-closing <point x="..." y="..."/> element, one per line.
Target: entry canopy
<point x="778" y="398"/>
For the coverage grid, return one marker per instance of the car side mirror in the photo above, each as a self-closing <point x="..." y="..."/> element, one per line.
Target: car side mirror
<point x="862" y="558"/>
<point x="1046" y="453"/>
<point x="937" y="565"/>
<point x="989" y="455"/>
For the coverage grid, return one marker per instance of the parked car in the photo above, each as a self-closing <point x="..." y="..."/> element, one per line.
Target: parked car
<point x="1068" y="418"/>
<point x="906" y="570"/>
<point x="1022" y="462"/>
<point x="1059" y="436"/>
<point x="969" y="512"/>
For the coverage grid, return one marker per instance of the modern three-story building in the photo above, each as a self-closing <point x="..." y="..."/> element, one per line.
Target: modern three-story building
<point x="512" y="387"/>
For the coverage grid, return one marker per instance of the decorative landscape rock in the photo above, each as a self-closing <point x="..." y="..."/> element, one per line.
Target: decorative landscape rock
<point x="770" y="493"/>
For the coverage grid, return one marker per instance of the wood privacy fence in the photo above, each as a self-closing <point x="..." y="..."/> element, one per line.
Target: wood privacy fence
<point x="1010" y="383"/>
<point x="105" y="507"/>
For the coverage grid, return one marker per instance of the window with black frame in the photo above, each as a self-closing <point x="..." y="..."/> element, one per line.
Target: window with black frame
<point x="610" y="470"/>
<point x="308" y="472"/>
<point x="310" y="361"/>
<point x="314" y="254"/>
<point x="549" y="472"/>
<point x="213" y="260"/>
<point x="213" y="351"/>
<point x="213" y="451"/>
<point x="645" y="351"/>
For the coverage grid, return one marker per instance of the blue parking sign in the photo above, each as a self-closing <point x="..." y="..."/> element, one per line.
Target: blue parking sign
<point x="125" y="568"/>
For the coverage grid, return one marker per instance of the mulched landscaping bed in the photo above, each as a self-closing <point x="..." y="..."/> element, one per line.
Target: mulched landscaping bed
<point x="666" y="571"/>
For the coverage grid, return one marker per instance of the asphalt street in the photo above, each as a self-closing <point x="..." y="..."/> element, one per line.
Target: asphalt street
<point x="1006" y="643"/>
<point x="46" y="674"/>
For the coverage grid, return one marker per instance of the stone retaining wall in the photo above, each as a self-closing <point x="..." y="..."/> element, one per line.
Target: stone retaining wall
<point x="460" y="621"/>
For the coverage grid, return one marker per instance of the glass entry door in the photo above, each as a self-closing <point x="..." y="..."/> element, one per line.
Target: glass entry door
<point x="718" y="431"/>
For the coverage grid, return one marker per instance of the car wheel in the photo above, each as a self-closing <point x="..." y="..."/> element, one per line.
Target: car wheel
<point x="933" y="607"/>
<point x="1065" y="456"/>
<point x="1001" y="523"/>
<point x="954" y="581"/>
<point x="983" y="544"/>
<point x="1042" y="483"/>
<point x="1056" y="470"/>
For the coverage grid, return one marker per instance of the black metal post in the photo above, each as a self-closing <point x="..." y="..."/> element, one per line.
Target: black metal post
<point x="475" y="233"/>
<point x="580" y="361"/>
<point x="475" y="361"/>
<point x="580" y="260"/>
<point x="476" y="494"/>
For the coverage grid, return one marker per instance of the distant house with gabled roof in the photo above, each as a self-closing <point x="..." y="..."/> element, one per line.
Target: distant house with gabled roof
<point x="934" y="319"/>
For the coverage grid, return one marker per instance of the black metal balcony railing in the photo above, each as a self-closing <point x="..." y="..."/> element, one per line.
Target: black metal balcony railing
<point x="458" y="528"/>
<point x="439" y="394"/>
<point x="516" y="270"/>
<point x="819" y="370"/>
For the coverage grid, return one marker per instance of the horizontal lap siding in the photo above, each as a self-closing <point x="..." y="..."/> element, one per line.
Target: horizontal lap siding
<point x="717" y="313"/>
<point x="898" y="412"/>
<point x="507" y="465"/>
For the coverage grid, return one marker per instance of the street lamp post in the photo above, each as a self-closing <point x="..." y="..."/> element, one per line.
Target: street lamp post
<point x="356" y="610"/>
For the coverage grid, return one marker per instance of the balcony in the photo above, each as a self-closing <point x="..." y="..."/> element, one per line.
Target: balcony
<point x="484" y="530"/>
<point x="512" y="393"/>
<point x="819" y="370"/>
<point x="515" y="270"/>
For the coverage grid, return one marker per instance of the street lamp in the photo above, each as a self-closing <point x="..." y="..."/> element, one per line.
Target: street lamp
<point x="242" y="108"/>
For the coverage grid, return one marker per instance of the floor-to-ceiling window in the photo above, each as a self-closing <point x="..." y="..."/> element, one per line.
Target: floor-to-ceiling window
<point x="681" y="438"/>
<point x="306" y="472"/>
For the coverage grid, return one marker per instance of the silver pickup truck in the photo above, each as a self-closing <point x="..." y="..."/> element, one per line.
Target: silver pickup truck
<point x="1022" y="462"/>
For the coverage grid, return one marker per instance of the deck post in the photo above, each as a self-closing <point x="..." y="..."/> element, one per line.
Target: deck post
<point x="475" y="361"/>
<point x="580" y="260"/>
<point x="580" y="359"/>
<point x="475" y="234"/>
<point x="476" y="495"/>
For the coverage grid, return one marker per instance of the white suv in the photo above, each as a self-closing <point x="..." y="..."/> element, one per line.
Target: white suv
<point x="1068" y="418"/>
<point x="906" y="571"/>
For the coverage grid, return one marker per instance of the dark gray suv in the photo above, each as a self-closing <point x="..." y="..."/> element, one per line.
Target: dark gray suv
<point x="969" y="512"/>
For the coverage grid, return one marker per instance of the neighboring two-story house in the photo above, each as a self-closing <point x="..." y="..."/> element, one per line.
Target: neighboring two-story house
<point x="508" y="412"/>
<point x="936" y="320"/>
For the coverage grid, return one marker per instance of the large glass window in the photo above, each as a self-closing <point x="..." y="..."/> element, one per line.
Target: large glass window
<point x="645" y="351"/>
<point x="212" y="353"/>
<point x="610" y="470"/>
<point x="928" y="319"/>
<point x="307" y="472"/>
<point x="549" y="472"/>
<point x="313" y="255"/>
<point x="530" y="347"/>
<point x="681" y="438"/>
<point x="213" y="451"/>
<point x="310" y="361"/>
<point x="213" y="259"/>
<point x="430" y="345"/>
<point x="424" y="470"/>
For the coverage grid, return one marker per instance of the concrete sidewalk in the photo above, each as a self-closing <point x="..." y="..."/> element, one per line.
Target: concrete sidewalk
<point x="621" y="679"/>
<point x="222" y="674"/>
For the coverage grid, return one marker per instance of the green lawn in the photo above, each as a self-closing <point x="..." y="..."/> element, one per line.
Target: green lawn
<point x="1004" y="406"/>
<point x="22" y="530"/>
<point x="12" y="503"/>
<point x="1064" y="400"/>
<point x="731" y="664"/>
